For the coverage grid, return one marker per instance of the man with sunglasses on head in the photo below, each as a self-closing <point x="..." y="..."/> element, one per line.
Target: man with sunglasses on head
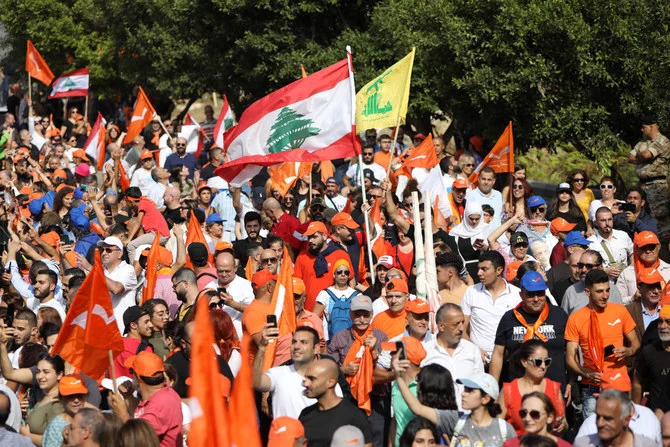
<point x="353" y="175"/>
<point x="575" y="296"/>
<point x="533" y="318"/>
<point x="646" y="246"/>
<point x="615" y="246"/>
<point x="181" y="158"/>
<point x="121" y="277"/>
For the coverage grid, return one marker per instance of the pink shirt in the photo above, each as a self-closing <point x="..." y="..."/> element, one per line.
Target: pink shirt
<point x="164" y="291"/>
<point x="163" y="411"/>
<point x="153" y="220"/>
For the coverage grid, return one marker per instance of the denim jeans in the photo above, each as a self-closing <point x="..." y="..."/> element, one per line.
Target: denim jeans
<point x="589" y="400"/>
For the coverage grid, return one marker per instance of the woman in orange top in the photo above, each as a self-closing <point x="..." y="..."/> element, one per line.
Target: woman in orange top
<point x="533" y="357"/>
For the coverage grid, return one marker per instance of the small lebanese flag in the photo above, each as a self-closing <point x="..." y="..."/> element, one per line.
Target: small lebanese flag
<point x="74" y="83"/>
<point x="501" y="157"/>
<point x="143" y="113"/>
<point x="311" y="119"/>
<point x="190" y="130"/>
<point x="95" y="144"/>
<point x="225" y="121"/>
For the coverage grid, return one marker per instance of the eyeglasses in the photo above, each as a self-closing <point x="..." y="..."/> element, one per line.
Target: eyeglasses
<point x="468" y="165"/>
<point x="582" y="265"/>
<point x="174" y="286"/>
<point x="578" y="180"/>
<point x="648" y="247"/>
<point x="288" y="199"/>
<point x="108" y="249"/>
<point x="368" y="154"/>
<point x="343" y="272"/>
<point x="180" y="145"/>
<point x="538" y="362"/>
<point x="534" y="414"/>
<point x="269" y="260"/>
<point x="564" y="192"/>
<point x="608" y="186"/>
<point x="517" y="187"/>
<point x="538" y="209"/>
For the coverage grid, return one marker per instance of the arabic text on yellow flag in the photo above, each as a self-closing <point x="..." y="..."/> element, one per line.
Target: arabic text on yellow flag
<point x="384" y="99"/>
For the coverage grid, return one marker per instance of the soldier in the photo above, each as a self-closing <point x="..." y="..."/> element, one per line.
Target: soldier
<point x="652" y="156"/>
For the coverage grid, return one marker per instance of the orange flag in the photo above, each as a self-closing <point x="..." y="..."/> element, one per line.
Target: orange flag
<point x="438" y="218"/>
<point x="361" y="385"/>
<point x="142" y="115"/>
<point x="152" y="269"/>
<point x="90" y="330"/>
<point x="242" y="418"/>
<point x="194" y="234"/>
<point x="210" y="421"/>
<point x="249" y="269"/>
<point x="124" y="183"/>
<point x="347" y="206"/>
<point x="302" y="70"/>
<point x="327" y="170"/>
<point x="283" y="176"/>
<point x="422" y="156"/>
<point x="36" y="66"/>
<point x="378" y="246"/>
<point x="501" y="157"/>
<point x="283" y="305"/>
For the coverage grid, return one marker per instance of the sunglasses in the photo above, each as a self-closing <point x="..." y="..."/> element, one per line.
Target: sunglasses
<point x="607" y="186"/>
<point x="538" y="362"/>
<point x="648" y="247"/>
<point x="536" y="209"/>
<point x="217" y="305"/>
<point x="269" y="260"/>
<point x="108" y="249"/>
<point x="181" y="145"/>
<point x="288" y="199"/>
<point x="517" y="187"/>
<point x="317" y="208"/>
<point x="343" y="272"/>
<point x="534" y="414"/>
<point x="468" y="165"/>
<point x="581" y="265"/>
<point x="577" y="180"/>
<point x="368" y="154"/>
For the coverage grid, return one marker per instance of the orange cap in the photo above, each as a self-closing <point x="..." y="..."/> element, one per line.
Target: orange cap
<point x="396" y="285"/>
<point x="645" y="238"/>
<point x="145" y="364"/>
<point x="298" y="286"/>
<point x="512" y="269"/>
<point x="459" y="183"/>
<point x="417" y="306"/>
<point x="665" y="312"/>
<point x="51" y="238"/>
<point x="649" y="276"/>
<point x="79" y="153"/>
<point x="223" y="246"/>
<point x="345" y="219"/>
<point x="340" y="263"/>
<point x="53" y="132"/>
<point x="284" y="431"/>
<point x="72" y="384"/>
<point x="261" y="278"/>
<point x="71" y="257"/>
<point x="560" y="225"/>
<point x="60" y="173"/>
<point x="414" y="350"/>
<point x="316" y="227"/>
<point x="26" y="190"/>
<point x="146" y="154"/>
<point x="165" y="256"/>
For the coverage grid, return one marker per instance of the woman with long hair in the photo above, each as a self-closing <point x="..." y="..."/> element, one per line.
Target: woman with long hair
<point x="419" y="432"/>
<point x="579" y="182"/>
<point x="538" y="415"/>
<point x="205" y="200"/>
<point x="289" y="204"/>
<point x="72" y="393"/>
<point x="608" y="190"/>
<point x="532" y="357"/>
<point x="565" y="206"/>
<point x="136" y="432"/>
<point x="158" y="311"/>
<point x="225" y="337"/>
<point x="179" y="178"/>
<point x="521" y="192"/>
<point x="63" y="202"/>
<point x="519" y="174"/>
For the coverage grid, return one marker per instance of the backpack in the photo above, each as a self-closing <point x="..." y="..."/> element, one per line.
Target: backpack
<point x="339" y="313"/>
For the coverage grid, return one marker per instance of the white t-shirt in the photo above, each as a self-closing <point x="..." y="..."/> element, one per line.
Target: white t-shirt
<point x="242" y="292"/>
<point x="620" y="246"/>
<point x="354" y="174"/>
<point x="55" y="304"/>
<point x="142" y="179"/>
<point x="324" y="299"/>
<point x="125" y="274"/>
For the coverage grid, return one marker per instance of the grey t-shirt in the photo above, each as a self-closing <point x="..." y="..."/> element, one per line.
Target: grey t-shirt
<point x="575" y="298"/>
<point x="474" y="435"/>
<point x="594" y="441"/>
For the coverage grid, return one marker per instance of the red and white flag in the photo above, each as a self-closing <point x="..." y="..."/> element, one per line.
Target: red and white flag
<point x="191" y="131"/>
<point x="95" y="144"/>
<point x="74" y="83"/>
<point x="311" y="119"/>
<point x="225" y="121"/>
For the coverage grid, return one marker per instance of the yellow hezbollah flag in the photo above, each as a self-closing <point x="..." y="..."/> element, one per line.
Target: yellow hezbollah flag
<point x="384" y="99"/>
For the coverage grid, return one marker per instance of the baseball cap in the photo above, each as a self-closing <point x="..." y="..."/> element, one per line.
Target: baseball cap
<point x="518" y="238"/>
<point x="414" y="350"/>
<point x="315" y="227"/>
<point x="563" y="187"/>
<point x="72" y="384"/>
<point x="146" y="154"/>
<point x="79" y="153"/>
<point x="262" y="277"/>
<point x="417" y="306"/>
<point x="532" y="281"/>
<point x="370" y="175"/>
<point x="82" y="170"/>
<point x="575" y="238"/>
<point x="318" y="201"/>
<point x="459" y="183"/>
<point x="221" y="246"/>
<point x="284" y="431"/>
<point x="108" y="384"/>
<point x="664" y="312"/>
<point x="59" y="173"/>
<point x="348" y="436"/>
<point x="145" y="364"/>
<point x="78" y="218"/>
<point x="561" y="225"/>
<point x="197" y="252"/>
<point x="361" y="302"/>
<point x="131" y="315"/>
<point x="298" y="286"/>
<point x="328" y="215"/>
<point x="204" y="186"/>
<point x="258" y="195"/>
<point x="397" y="285"/>
<point x="534" y="201"/>
<point x="331" y="180"/>
<point x="111" y="241"/>
<point x="213" y="218"/>
<point x="52" y="238"/>
<point x="345" y="219"/>
<point x="386" y="261"/>
<point x="645" y="238"/>
<point x="649" y="119"/>
<point x="482" y="381"/>
<point x="165" y="256"/>
<point x="649" y="276"/>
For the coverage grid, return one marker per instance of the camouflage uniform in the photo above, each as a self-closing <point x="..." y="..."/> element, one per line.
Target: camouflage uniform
<point x="653" y="179"/>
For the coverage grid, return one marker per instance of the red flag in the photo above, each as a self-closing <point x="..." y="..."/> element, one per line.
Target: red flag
<point x="224" y="122"/>
<point x="210" y="421"/>
<point x="194" y="234"/>
<point x="283" y="305"/>
<point x="242" y="418"/>
<point x="36" y="66"/>
<point x="124" y="183"/>
<point x="143" y="114"/>
<point x="90" y="330"/>
<point x="152" y="269"/>
<point x="95" y="143"/>
<point x="501" y="157"/>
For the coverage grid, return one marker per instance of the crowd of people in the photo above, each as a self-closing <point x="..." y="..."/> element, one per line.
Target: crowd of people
<point x="552" y="327"/>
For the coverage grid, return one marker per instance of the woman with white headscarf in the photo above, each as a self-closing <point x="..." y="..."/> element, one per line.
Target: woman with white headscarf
<point x="468" y="238"/>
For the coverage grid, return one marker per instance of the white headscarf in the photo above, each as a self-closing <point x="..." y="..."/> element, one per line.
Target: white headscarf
<point x="464" y="230"/>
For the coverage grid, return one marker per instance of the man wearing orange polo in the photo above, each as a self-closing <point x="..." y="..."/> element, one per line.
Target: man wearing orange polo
<point x="315" y="266"/>
<point x="255" y="315"/>
<point x="345" y="229"/>
<point x="392" y="321"/>
<point x="600" y="329"/>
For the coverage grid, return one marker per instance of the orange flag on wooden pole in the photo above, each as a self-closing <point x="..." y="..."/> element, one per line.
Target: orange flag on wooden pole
<point x="152" y="269"/>
<point x="438" y="218"/>
<point x="501" y="157"/>
<point x="124" y="183"/>
<point x="194" y="234"/>
<point x="143" y="114"/>
<point x="36" y="65"/>
<point x="90" y="330"/>
<point x="242" y="416"/>
<point x="210" y="421"/>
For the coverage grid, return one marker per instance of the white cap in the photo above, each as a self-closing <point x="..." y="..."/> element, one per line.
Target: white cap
<point x="109" y="383"/>
<point x="140" y="249"/>
<point x="112" y="241"/>
<point x="482" y="381"/>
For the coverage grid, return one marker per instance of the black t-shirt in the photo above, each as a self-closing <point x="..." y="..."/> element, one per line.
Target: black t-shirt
<point x="207" y="171"/>
<point x="468" y="253"/>
<point x="652" y="366"/>
<point x="321" y="425"/>
<point x="183" y="366"/>
<point x="555" y="274"/>
<point x="560" y="288"/>
<point x="173" y="216"/>
<point x="510" y="334"/>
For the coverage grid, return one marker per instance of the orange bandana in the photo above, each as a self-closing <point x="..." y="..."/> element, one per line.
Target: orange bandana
<point x="533" y="331"/>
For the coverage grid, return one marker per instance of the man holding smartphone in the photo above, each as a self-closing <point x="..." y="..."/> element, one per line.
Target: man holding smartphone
<point x="634" y="217"/>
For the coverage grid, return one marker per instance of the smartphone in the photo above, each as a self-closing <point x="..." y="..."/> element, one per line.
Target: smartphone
<point x="9" y="316"/>
<point x="221" y="290"/>
<point x="628" y="207"/>
<point x="271" y="320"/>
<point x="84" y="188"/>
<point x="609" y="350"/>
<point x="400" y="347"/>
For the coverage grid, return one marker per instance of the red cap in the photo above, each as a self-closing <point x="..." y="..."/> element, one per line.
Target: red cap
<point x="396" y="285"/>
<point x="316" y="227"/>
<point x="145" y="364"/>
<point x="417" y="306"/>
<point x="645" y="238"/>
<point x="284" y="431"/>
<point x="345" y="219"/>
<point x="261" y="278"/>
<point x="459" y="183"/>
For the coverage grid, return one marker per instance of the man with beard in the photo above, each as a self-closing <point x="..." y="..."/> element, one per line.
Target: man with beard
<point x="185" y="286"/>
<point x="615" y="246"/>
<point x="172" y="211"/>
<point x="252" y="225"/>
<point x="353" y="176"/>
<point x="333" y="197"/>
<point x="652" y="368"/>
<point x="181" y="158"/>
<point x="343" y="229"/>
<point x="23" y="330"/>
<point x="139" y="329"/>
<point x="314" y="266"/>
<point x="284" y="224"/>
<point x="45" y="285"/>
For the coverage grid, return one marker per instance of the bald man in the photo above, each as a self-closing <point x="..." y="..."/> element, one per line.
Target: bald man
<point x="172" y="212"/>
<point x="269" y="260"/>
<point x="330" y="412"/>
<point x="284" y="225"/>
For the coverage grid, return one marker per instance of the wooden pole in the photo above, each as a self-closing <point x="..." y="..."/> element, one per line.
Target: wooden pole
<point x="215" y="101"/>
<point x="367" y="218"/>
<point x="395" y="139"/>
<point x="163" y="126"/>
<point x="86" y="109"/>
<point x="30" y="93"/>
<point x="111" y="370"/>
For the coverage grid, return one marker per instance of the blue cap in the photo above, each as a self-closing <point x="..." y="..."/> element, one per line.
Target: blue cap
<point x="532" y="281"/>
<point x="35" y="206"/>
<point x="213" y="218"/>
<point x="331" y="180"/>
<point x="534" y="201"/>
<point x="575" y="238"/>
<point x="78" y="218"/>
<point x="78" y="193"/>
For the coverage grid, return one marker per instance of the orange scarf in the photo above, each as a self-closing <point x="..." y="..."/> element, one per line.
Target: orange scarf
<point x="361" y="382"/>
<point x="533" y="331"/>
<point x="596" y="348"/>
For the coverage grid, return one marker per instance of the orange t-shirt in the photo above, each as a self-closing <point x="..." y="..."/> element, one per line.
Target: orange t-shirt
<point x="382" y="159"/>
<point x="614" y="322"/>
<point x="304" y="269"/>
<point x="391" y="325"/>
<point x="253" y="320"/>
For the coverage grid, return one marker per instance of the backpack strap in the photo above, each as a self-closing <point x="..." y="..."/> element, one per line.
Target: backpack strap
<point x="206" y="274"/>
<point x="331" y="303"/>
<point x="457" y="430"/>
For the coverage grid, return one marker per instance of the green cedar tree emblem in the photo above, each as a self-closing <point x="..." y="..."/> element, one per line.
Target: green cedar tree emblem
<point x="289" y="131"/>
<point x="68" y="83"/>
<point x="227" y="123"/>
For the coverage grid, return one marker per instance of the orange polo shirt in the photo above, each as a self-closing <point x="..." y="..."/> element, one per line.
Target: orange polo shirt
<point x="253" y="320"/>
<point x="391" y="325"/>
<point x="304" y="269"/>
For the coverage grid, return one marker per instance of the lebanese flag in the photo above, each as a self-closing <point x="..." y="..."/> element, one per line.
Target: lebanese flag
<point x="95" y="143"/>
<point x="36" y="66"/>
<point x="225" y="121"/>
<point x="501" y="157"/>
<point x="143" y="113"/>
<point x="195" y="136"/>
<point x="90" y="330"/>
<point x="74" y="83"/>
<point x="311" y="119"/>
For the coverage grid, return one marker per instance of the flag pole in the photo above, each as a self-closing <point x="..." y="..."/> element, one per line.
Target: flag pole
<point x="86" y="108"/>
<point x="111" y="370"/>
<point x="395" y="140"/>
<point x="163" y="126"/>
<point x="366" y="216"/>
<point x="30" y="92"/>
